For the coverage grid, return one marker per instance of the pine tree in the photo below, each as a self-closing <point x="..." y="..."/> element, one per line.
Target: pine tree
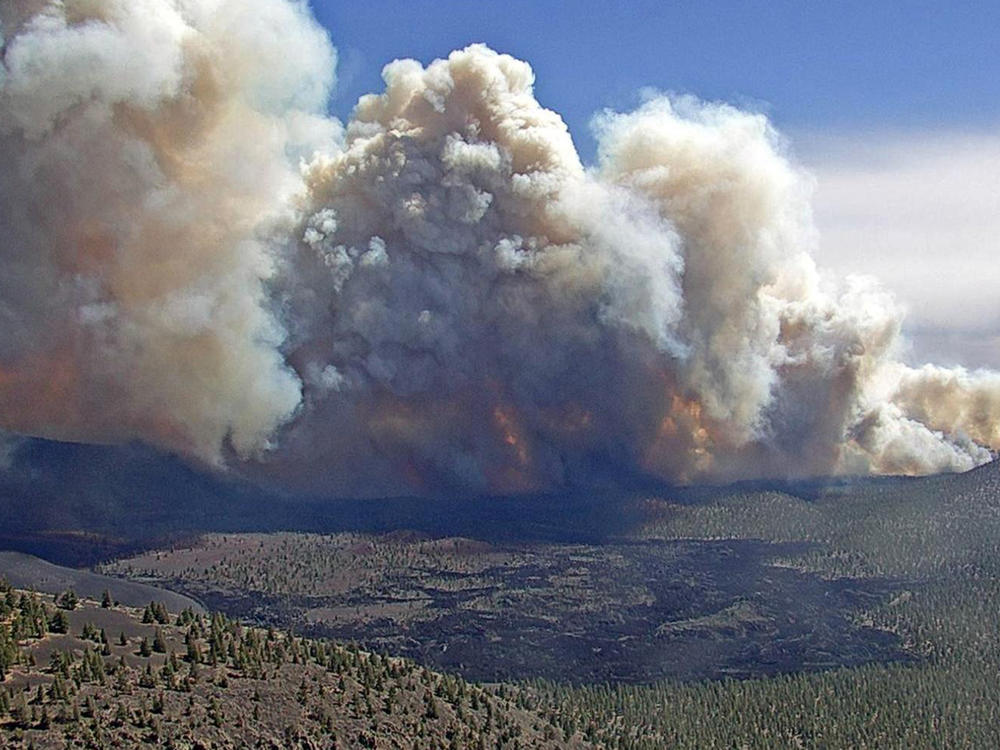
<point x="67" y="600"/>
<point x="59" y="622"/>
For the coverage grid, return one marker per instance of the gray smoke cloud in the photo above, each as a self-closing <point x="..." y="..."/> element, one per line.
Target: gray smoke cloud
<point x="438" y="295"/>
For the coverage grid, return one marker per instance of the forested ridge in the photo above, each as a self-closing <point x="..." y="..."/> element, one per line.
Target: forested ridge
<point x="77" y="672"/>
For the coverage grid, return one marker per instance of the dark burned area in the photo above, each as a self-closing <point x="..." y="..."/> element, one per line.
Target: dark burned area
<point x="718" y="609"/>
<point x="708" y="608"/>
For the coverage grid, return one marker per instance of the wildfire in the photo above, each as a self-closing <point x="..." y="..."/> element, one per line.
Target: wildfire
<point x="569" y="419"/>
<point x="508" y="430"/>
<point x="41" y="393"/>
<point x="683" y="443"/>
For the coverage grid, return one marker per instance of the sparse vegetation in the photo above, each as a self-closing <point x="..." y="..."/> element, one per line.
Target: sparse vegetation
<point x="918" y="562"/>
<point x="238" y="687"/>
<point x="620" y="610"/>
<point x="938" y="536"/>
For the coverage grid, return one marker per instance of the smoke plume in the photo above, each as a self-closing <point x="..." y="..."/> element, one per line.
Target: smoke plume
<point x="437" y="295"/>
<point x="148" y="150"/>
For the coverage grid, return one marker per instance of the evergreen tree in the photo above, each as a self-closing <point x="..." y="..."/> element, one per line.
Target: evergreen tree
<point x="67" y="600"/>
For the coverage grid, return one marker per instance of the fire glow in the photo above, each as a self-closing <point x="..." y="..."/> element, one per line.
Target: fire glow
<point x="435" y="294"/>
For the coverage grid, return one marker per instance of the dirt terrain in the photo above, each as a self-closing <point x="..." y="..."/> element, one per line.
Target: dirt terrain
<point x="124" y="677"/>
<point x="27" y="571"/>
<point x="632" y="611"/>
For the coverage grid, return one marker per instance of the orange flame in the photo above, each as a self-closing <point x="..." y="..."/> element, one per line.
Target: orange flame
<point x="683" y="443"/>
<point x="508" y="430"/>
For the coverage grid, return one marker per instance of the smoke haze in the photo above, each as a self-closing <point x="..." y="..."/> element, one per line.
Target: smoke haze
<point x="929" y="203"/>
<point x="436" y="296"/>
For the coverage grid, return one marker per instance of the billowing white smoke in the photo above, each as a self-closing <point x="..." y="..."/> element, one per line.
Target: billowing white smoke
<point x="444" y="297"/>
<point x="148" y="148"/>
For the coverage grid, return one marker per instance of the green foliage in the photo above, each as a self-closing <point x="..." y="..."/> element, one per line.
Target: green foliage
<point x="59" y="622"/>
<point x="159" y="642"/>
<point x="8" y="651"/>
<point x="67" y="600"/>
<point x="942" y="535"/>
<point x="934" y="543"/>
<point x="315" y="692"/>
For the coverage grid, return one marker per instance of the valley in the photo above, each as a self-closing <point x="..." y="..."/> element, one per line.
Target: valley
<point x="806" y="614"/>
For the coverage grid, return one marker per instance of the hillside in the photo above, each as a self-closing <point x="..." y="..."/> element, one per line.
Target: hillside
<point x="626" y="610"/>
<point x="29" y="572"/>
<point x="93" y="676"/>
<point x="936" y="540"/>
<point x="861" y="615"/>
<point x="844" y="613"/>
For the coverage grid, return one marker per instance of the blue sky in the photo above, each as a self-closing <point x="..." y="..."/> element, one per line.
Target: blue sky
<point x="810" y="65"/>
<point x="893" y="106"/>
